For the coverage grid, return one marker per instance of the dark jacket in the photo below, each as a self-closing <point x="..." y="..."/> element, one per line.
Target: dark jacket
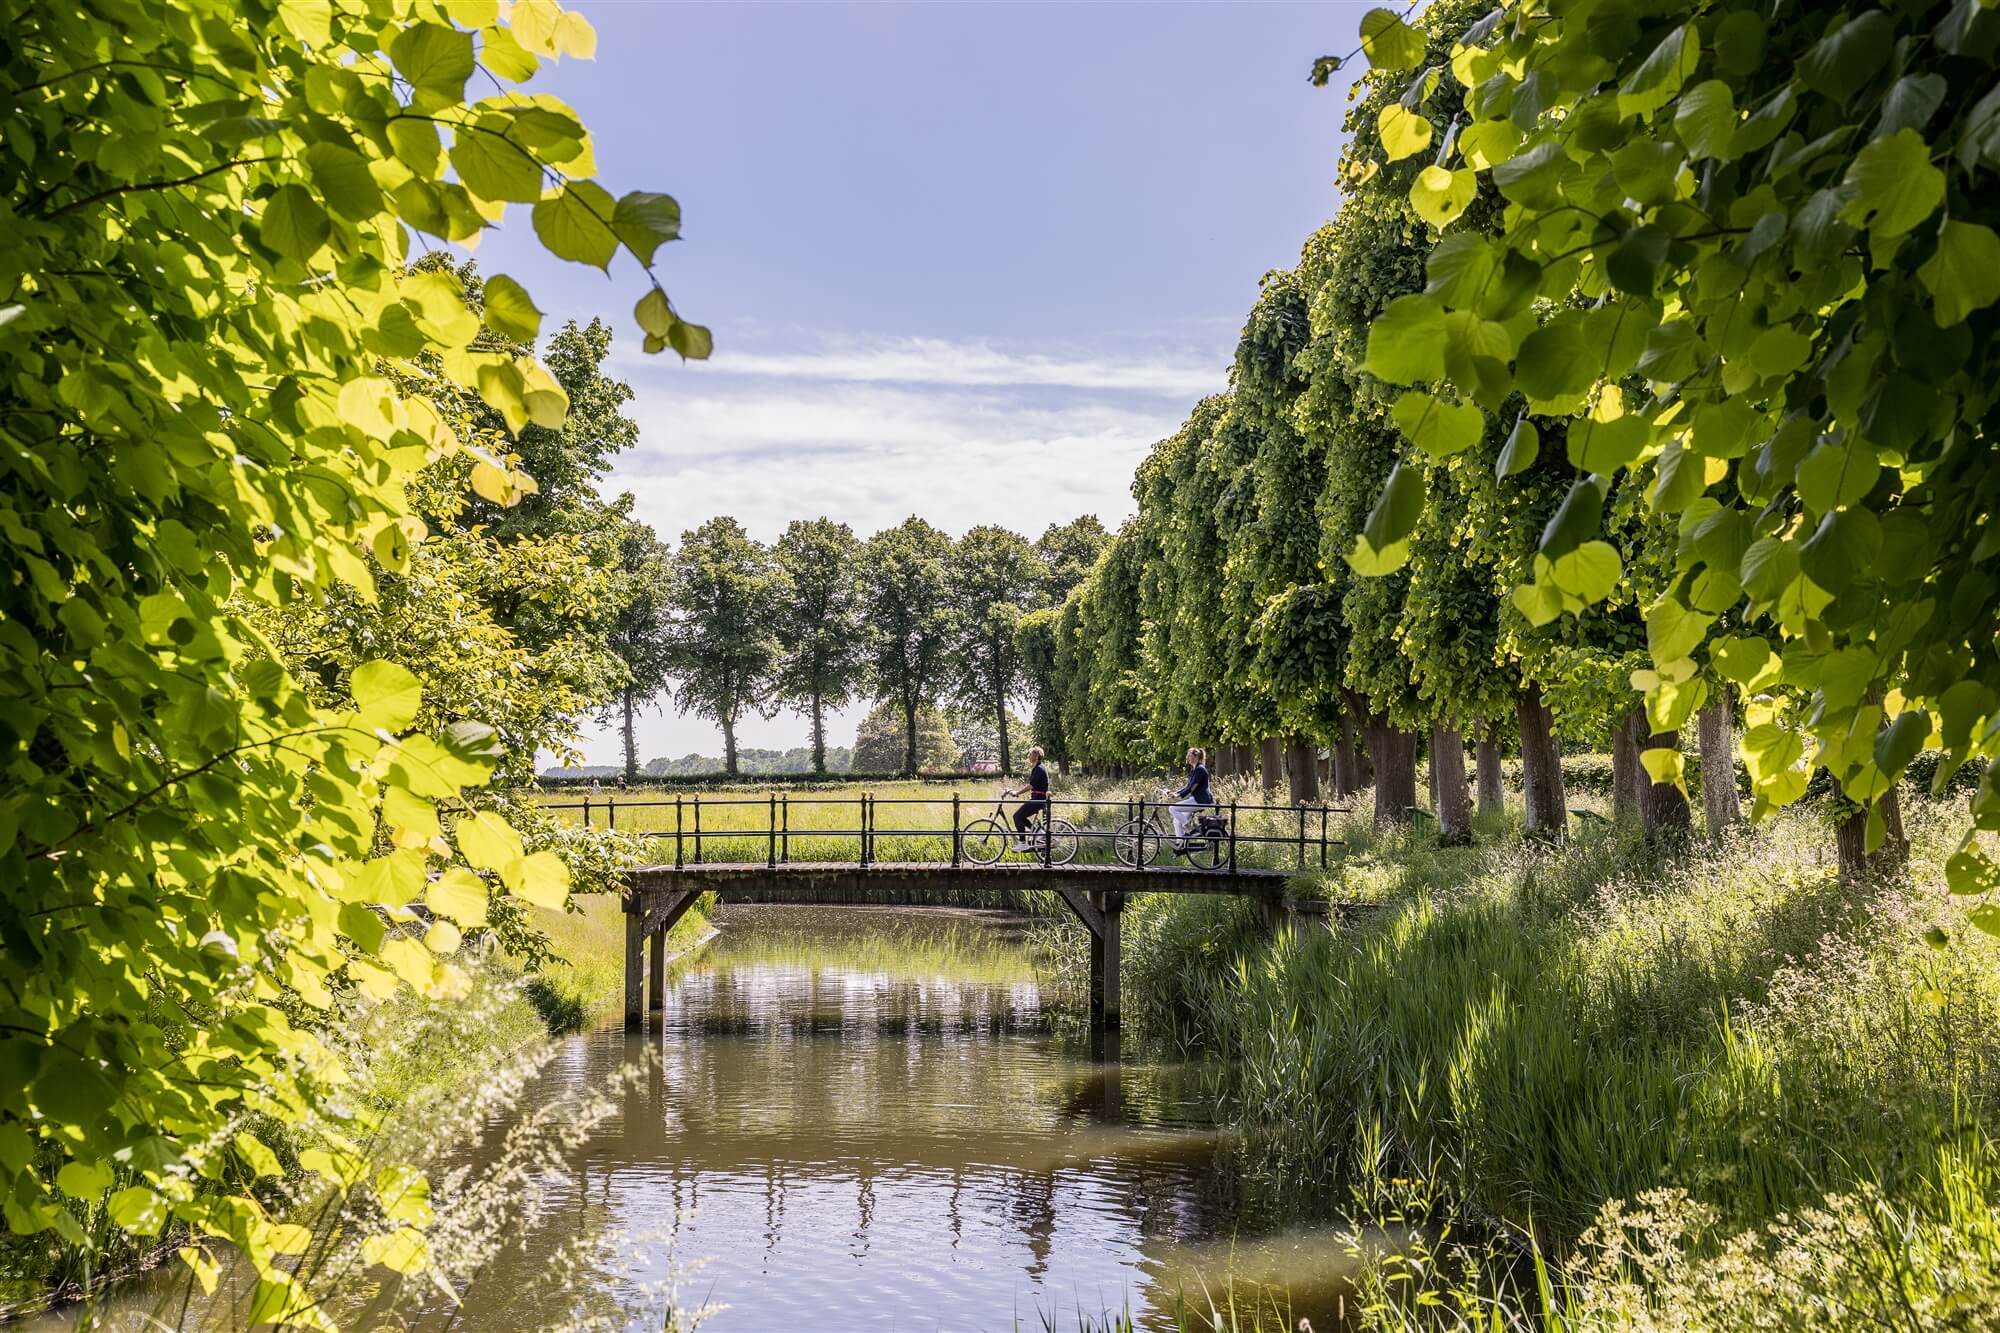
<point x="1197" y="786"/>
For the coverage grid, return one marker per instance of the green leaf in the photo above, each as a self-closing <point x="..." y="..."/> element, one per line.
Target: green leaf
<point x="645" y="222"/>
<point x="1405" y="133"/>
<point x="1837" y="474"/>
<point x="494" y="169"/>
<point x="1705" y="119"/>
<point x="1555" y="361"/>
<point x="543" y="880"/>
<point x="343" y="180"/>
<point x="1849" y="56"/>
<point x="1459" y="269"/>
<point x="1390" y="43"/>
<point x="488" y="842"/>
<point x="362" y="924"/>
<point x="1900" y="741"/>
<point x="1911" y="103"/>
<point x="1971" y="870"/>
<point x="388" y="696"/>
<point x="1406" y="341"/>
<point x="576" y="224"/>
<point x="1441" y="197"/>
<point x="137" y="1209"/>
<point x="1588" y="573"/>
<point x="1842" y="551"/>
<point x="1894" y="185"/>
<point x="1963" y="274"/>
<point x="509" y="310"/>
<point x="1439" y="428"/>
<point x="1986" y="916"/>
<point x="692" y="341"/>
<point x="1779" y="351"/>
<point x="1579" y="518"/>
<point x="1682" y="477"/>
<point x="1660" y="76"/>
<point x="1672" y="630"/>
<point x="1634" y="264"/>
<point x="1606" y="446"/>
<point x="294" y="224"/>
<point x="1524" y="443"/>
<point x="1383" y="546"/>
<point x="1741" y="659"/>
<point x="434" y="58"/>
<point x="655" y="313"/>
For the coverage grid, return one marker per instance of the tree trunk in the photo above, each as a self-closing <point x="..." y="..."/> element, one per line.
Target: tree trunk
<point x="1394" y="754"/>
<point x="1431" y="780"/>
<point x="819" y="733"/>
<point x="1628" y="778"/>
<point x="1302" y="765"/>
<point x="1346" y="767"/>
<point x="1492" y="791"/>
<point x="1000" y="717"/>
<point x="1850" y="838"/>
<point x="1454" y="802"/>
<point x="1271" y="765"/>
<point x="1542" y="793"/>
<point x="1715" y="728"/>
<point x="631" y="740"/>
<point x="729" y="746"/>
<point x="909" y="736"/>
<point x="1664" y="809"/>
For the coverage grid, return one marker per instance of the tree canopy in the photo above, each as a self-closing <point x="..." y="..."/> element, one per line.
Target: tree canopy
<point x="721" y="641"/>
<point x="211" y="210"/>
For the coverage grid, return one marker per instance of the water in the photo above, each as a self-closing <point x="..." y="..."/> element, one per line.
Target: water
<point x="865" y="1119"/>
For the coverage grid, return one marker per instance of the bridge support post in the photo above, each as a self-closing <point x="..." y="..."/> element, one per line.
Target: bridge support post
<point x="656" y="981"/>
<point x="1104" y="960"/>
<point x="635" y="934"/>
<point x="1277" y="915"/>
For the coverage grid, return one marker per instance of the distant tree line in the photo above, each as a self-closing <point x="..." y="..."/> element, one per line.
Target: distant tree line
<point x="725" y="626"/>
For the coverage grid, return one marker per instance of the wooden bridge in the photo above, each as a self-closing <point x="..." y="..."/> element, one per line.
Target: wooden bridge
<point x="657" y="896"/>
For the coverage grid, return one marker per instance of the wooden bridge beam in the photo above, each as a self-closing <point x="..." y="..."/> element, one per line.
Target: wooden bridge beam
<point x="648" y="918"/>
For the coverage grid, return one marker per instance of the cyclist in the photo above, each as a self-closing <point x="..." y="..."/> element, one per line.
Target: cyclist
<point x="1038" y="799"/>
<point x="1192" y="797"/>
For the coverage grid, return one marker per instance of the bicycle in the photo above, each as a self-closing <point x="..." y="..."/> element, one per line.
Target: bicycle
<point x="985" y="840"/>
<point x="1137" y="842"/>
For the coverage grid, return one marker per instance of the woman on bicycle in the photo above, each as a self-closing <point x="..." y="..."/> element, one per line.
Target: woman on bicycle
<point x="1193" y="797"/>
<point x="1037" y="802"/>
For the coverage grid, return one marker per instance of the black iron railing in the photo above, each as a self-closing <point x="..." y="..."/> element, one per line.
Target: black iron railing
<point x="1303" y="830"/>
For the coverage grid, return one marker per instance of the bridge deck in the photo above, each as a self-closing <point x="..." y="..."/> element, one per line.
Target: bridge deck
<point x="815" y="877"/>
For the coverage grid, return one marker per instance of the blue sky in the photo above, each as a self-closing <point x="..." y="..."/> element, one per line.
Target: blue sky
<point x="967" y="261"/>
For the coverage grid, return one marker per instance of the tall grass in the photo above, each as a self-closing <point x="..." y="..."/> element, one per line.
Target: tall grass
<point x="1532" y="1034"/>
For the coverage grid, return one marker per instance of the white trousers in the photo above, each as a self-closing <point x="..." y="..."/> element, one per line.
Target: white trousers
<point x="1184" y="813"/>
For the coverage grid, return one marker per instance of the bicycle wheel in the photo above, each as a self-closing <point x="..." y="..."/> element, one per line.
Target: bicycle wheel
<point x="984" y="841"/>
<point x="1208" y="853"/>
<point x="1137" y="843"/>
<point x="1062" y="842"/>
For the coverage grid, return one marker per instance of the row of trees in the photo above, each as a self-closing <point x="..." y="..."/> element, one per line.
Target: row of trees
<point x="726" y="626"/>
<point x="1644" y="375"/>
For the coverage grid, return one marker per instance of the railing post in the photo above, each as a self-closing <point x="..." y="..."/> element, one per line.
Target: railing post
<point x="864" y="828"/>
<point x="1048" y="832"/>
<point x="697" y="828"/>
<point x="679" y="821"/>
<point x="1322" y="836"/>
<point x="611" y="812"/>
<point x="955" y="835"/>
<point x="1232" y="837"/>
<point x="586" y="809"/>
<point x="1138" y="836"/>
<point x="771" y="835"/>
<point x="785" y="829"/>
<point x="1302" y="837"/>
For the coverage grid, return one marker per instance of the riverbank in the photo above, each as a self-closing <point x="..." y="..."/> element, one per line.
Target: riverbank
<point x="1685" y="1084"/>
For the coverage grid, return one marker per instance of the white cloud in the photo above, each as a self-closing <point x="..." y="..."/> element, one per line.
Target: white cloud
<point x="972" y="364"/>
<point x="869" y="433"/>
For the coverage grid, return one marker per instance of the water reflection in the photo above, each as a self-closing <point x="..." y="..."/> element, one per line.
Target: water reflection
<point x="864" y="1120"/>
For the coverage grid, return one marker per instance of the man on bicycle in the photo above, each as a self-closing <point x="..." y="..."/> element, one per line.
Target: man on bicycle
<point x="1037" y="802"/>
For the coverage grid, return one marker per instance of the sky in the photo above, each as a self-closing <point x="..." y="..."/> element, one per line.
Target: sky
<point x="967" y="261"/>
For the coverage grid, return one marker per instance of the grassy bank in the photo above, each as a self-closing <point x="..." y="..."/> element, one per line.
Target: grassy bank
<point x="1645" y="1064"/>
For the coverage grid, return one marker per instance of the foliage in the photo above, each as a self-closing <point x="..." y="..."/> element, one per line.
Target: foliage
<point x="1743" y="258"/>
<point x="906" y="595"/>
<point x="995" y="576"/>
<point x="819" y="622"/>
<point x="639" y="632"/>
<point x="209" y="209"/>
<point x="1066" y="552"/>
<point x="722" y="647"/>
<point x="881" y="742"/>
